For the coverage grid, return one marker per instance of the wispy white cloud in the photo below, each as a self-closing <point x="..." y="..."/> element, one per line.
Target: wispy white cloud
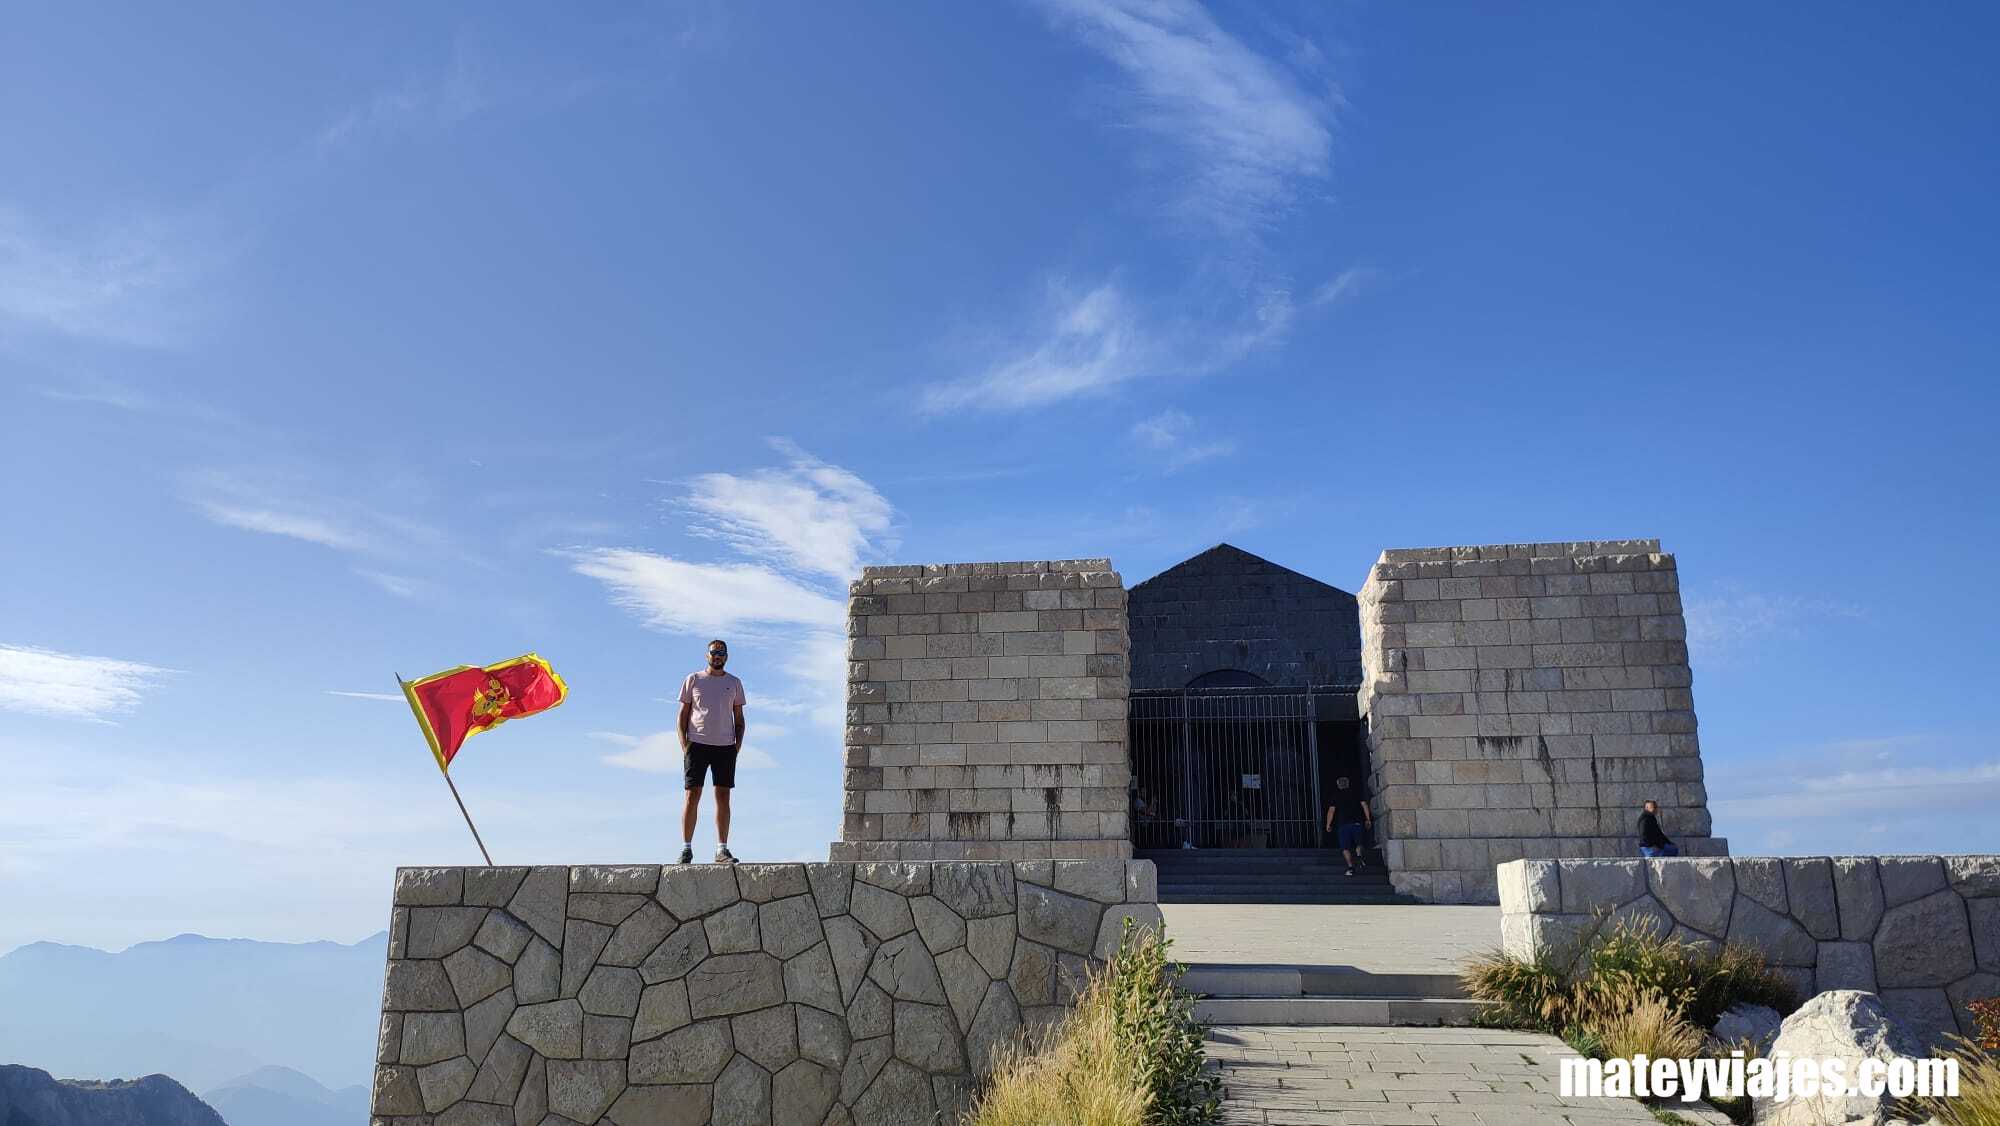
<point x="274" y="504"/>
<point x="399" y="585"/>
<point x="70" y="686"/>
<point x="129" y="279"/>
<point x="660" y="752"/>
<point x="294" y="525"/>
<point x="807" y="516"/>
<point x="1728" y="618"/>
<point x="1087" y="343"/>
<point x="805" y="528"/>
<point x="422" y="104"/>
<point x="1344" y="286"/>
<point x="1170" y="437"/>
<point x="1247" y="128"/>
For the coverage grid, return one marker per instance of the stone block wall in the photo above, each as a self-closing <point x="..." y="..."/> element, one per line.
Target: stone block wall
<point x="1229" y="609"/>
<point x="1521" y="701"/>
<point x="773" y="994"/>
<point x="986" y="713"/>
<point x="1922" y="932"/>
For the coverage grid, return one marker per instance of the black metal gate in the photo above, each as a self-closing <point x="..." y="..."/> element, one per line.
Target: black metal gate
<point x="1229" y="767"/>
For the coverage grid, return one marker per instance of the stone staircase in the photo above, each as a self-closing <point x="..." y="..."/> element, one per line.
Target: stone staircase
<point x="1293" y="995"/>
<point x="1267" y="875"/>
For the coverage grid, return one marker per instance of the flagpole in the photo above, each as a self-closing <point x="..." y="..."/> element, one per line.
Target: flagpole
<point x="442" y="769"/>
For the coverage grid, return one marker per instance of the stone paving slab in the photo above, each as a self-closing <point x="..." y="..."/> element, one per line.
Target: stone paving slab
<point x="1340" y="1075"/>
<point x="1377" y="938"/>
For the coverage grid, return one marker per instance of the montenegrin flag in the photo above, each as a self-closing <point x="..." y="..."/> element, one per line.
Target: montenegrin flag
<point x="456" y="704"/>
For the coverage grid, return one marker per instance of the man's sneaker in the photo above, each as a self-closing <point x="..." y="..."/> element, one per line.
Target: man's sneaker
<point x="724" y="856"/>
<point x="687" y="854"/>
<point x="1350" y="869"/>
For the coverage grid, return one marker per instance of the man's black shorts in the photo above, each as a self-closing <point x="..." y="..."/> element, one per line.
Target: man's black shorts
<point x="700" y="758"/>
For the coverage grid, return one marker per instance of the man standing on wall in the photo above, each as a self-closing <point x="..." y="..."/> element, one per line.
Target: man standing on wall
<point x="711" y="734"/>
<point x="1349" y="810"/>
<point x="1652" y="840"/>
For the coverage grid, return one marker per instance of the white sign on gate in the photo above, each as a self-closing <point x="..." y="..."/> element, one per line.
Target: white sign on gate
<point x="1253" y="781"/>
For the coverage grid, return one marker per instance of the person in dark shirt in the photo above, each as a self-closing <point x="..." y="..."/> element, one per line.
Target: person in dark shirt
<point x="1653" y="842"/>
<point x="1349" y="810"/>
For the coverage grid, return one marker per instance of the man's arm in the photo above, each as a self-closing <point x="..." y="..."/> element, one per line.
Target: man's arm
<point x="1367" y="815"/>
<point x="739" y="722"/>
<point x="1329" y="819"/>
<point x="687" y="716"/>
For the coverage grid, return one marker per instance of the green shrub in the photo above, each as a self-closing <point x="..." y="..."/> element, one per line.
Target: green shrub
<point x="1155" y="1022"/>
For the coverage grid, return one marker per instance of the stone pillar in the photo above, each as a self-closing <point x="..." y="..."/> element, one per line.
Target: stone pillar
<point x="986" y="710"/>
<point x="1520" y="701"/>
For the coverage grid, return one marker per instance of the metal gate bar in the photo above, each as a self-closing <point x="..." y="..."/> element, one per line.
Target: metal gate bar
<point x="1224" y="768"/>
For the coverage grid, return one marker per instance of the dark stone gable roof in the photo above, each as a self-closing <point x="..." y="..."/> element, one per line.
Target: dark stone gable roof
<point x="1226" y="609"/>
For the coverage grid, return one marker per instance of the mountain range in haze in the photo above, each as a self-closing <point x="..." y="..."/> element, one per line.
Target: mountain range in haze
<point x="32" y="1097"/>
<point x="209" y="1012"/>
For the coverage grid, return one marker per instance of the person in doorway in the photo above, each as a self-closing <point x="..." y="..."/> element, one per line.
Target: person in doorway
<point x="1652" y="841"/>
<point x="1349" y="818"/>
<point x="711" y="733"/>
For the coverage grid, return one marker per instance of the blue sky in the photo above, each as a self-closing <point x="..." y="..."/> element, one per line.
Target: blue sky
<point x="341" y="344"/>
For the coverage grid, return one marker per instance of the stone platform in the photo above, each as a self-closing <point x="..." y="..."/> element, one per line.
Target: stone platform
<point x="806" y="994"/>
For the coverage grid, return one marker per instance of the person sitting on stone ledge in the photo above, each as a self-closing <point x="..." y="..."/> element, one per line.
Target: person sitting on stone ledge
<point x="1652" y="841"/>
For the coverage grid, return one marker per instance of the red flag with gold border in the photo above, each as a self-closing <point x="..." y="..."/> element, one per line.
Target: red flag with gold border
<point x="456" y="704"/>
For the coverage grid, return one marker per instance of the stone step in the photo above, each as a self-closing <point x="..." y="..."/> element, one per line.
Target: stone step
<point x="1375" y="1011"/>
<point x="1218" y="979"/>
<point x="1303" y="876"/>
<point x="1322" y="898"/>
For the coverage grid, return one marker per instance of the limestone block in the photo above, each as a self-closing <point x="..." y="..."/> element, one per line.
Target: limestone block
<point x="1985" y="920"/>
<point x="500" y="1076"/>
<point x="790" y="925"/>
<point x="606" y="1038"/>
<point x="1783" y="941"/>
<point x="1757" y="1024"/>
<point x="886" y="914"/>
<point x="680" y="952"/>
<point x="726" y="984"/>
<point x="939" y="926"/>
<point x="554" y="1028"/>
<point x="502" y="935"/>
<point x="965" y="983"/>
<point x="904" y="969"/>
<point x="762" y="883"/>
<point x="733" y="930"/>
<point x="1846" y="965"/>
<point x="583" y="941"/>
<point x="633" y="879"/>
<point x="802" y="1093"/>
<point x="542" y="902"/>
<point x="991" y="942"/>
<point x="1905" y="878"/>
<point x="432" y="1037"/>
<point x="1586" y="887"/>
<point x="1103" y="881"/>
<point x="582" y="1090"/>
<point x="689" y="891"/>
<point x="1645" y="912"/>
<point x="443" y="1084"/>
<point x="1695" y="891"/>
<point x="974" y="891"/>
<point x="1924" y="943"/>
<point x="928" y="1037"/>
<point x="437" y="931"/>
<point x="639" y="935"/>
<point x="476" y="975"/>
<point x="870" y="1013"/>
<point x="993" y="1028"/>
<point x="1858" y="891"/>
<point x="1142" y="882"/>
<point x="396" y="1091"/>
<point x="652" y="1105"/>
<point x="1925" y="1012"/>
<point x="694" y="1054"/>
<point x="852" y="949"/>
<point x="1032" y="977"/>
<point x="484" y="1022"/>
<point x="1041" y="873"/>
<point x="743" y="1094"/>
<point x="831" y="886"/>
<point x="768" y="1036"/>
<point x="1762" y="878"/>
<point x="662" y="1009"/>
<point x="1974" y="877"/>
<point x="492" y="887"/>
<point x="900" y="1096"/>
<point x="1065" y="922"/>
<point x="1144" y="918"/>
<point x="389" y="1038"/>
<point x="611" y="991"/>
<point x="1809" y="886"/>
<point x="532" y="1104"/>
<point x="1528" y="886"/>
<point x="864" y="1063"/>
<point x="601" y="908"/>
<point x="429" y="887"/>
<point x="1697" y="939"/>
<point x="417" y="986"/>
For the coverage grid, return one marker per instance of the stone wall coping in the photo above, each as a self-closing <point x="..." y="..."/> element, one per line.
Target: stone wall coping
<point x="1520" y="550"/>
<point x="958" y="570"/>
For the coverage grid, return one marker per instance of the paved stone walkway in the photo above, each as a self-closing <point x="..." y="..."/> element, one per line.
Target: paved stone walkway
<point x="1337" y="1075"/>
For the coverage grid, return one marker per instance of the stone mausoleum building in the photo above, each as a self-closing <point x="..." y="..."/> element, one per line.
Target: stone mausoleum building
<point x="1498" y="702"/>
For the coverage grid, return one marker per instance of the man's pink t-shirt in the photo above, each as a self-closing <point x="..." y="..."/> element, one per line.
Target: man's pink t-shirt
<point x="713" y="721"/>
